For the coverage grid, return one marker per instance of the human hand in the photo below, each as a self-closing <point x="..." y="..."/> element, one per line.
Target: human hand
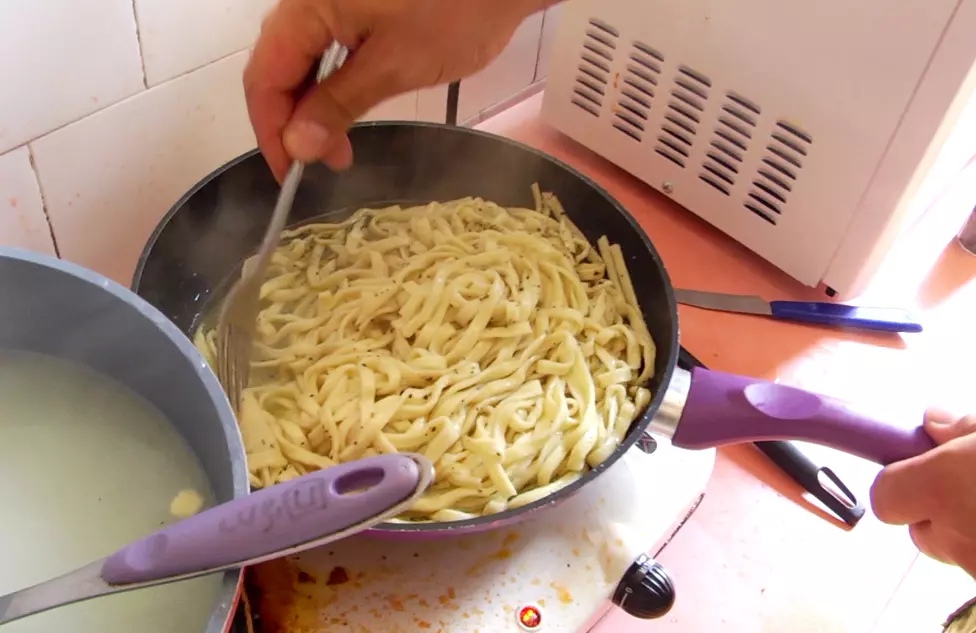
<point x="397" y="46"/>
<point x="935" y="493"/>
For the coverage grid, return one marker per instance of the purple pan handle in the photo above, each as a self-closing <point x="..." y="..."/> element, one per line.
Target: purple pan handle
<point x="270" y="520"/>
<point x="726" y="409"/>
<point x="840" y="315"/>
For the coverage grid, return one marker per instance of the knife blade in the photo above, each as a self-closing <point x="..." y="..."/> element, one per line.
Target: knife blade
<point x="815" y="312"/>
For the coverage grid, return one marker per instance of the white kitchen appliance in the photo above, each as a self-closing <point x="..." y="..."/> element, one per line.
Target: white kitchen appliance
<point x="811" y="132"/>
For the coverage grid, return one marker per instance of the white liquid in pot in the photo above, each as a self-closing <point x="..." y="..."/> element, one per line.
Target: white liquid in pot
<point x="87" y="466"/>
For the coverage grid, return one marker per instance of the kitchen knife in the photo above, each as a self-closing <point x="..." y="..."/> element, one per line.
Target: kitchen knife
<point x="819" y="312"/>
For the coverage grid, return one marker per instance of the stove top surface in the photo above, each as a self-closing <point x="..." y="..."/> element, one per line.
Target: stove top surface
<point x="556" y="571"/>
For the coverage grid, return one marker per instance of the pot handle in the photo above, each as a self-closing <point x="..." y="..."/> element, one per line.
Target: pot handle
<point x="725" y="408"/>
<point x="305" y="512"/>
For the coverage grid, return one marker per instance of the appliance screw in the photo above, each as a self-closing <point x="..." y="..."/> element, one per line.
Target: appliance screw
<point x="667" y="187"/>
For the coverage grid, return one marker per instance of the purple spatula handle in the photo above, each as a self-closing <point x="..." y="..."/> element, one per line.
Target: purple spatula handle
<point x="727" y="409"/>
<point x="270" y="520"/>
<point x="840" y="315"/>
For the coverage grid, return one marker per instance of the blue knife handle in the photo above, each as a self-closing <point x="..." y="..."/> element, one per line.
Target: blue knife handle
<point x="840" y="315"/>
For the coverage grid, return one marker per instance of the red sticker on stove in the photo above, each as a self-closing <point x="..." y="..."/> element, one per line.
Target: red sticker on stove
<point x="529" y="618"/>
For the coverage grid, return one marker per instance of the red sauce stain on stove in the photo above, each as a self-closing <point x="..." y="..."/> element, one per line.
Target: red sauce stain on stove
<point x="422" y="623"/>
<point x="338" y="576"/>
<point x="450" y="593"/>
<point x="511" y="538"/>
<point x="13" y="202"/>
<point x="423" y="603"/>
<point x="395" y="603"/>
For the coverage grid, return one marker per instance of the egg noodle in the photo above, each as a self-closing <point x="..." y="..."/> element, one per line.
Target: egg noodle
<point x="495" y="341"/>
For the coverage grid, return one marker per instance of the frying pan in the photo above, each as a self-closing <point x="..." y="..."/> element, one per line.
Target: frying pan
<point x="220" y="222"/>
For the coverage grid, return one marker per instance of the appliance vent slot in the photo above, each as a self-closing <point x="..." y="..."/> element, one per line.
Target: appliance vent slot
<point x="691" y="89"/>
<point x="744" y="103"/>
<point x="736" y="123"/>
<point x="629" y="122"/>
<point x="714" y="182"/>
<point x="647" y="58"/>
<point x="683" y="114"/>
<point x="733" y="131"/>
<point x="758" y="211"/>
<point x="781" y="164"/>
<point x="670" y="155"/>
<point x="593" y="72"/>
<point x="637" y="91"/>
<point x="606" y="28"/>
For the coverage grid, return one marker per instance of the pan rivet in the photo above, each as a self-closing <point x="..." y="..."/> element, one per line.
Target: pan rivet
<point x="667" y="187"/>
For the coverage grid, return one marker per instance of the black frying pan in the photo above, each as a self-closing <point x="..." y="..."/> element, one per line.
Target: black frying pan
<point x="220" y="222"/>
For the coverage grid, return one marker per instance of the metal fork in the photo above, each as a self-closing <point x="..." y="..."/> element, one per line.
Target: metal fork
<point x="239" y="312"/>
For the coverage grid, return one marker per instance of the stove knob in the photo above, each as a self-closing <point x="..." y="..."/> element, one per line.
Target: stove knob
<point x="646" y="590"/>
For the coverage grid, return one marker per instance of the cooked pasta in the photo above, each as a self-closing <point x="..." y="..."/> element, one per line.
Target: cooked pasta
<point x="495" y="341"/>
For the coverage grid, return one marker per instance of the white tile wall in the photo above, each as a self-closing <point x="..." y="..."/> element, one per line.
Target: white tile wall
<point x="61" y="60"/>
<point x="22" y="221"/>
<point x="125" y="104"/>
<point x="206" y="30"/>
<point x="432" y="104"/>
<point x="109" y="178"/>
<point x="402" y="108"/>
<point x="509" y="73"/>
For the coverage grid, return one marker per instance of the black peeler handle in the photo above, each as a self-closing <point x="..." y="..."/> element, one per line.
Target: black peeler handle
<point x="791" y="460"/>
<point x="841" y="501"/>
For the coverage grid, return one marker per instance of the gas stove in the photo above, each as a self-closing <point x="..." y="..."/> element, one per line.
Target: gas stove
<point x="575" y="567"/>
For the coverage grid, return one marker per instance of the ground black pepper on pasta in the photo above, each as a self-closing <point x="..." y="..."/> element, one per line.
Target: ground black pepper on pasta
<point x="496" y="341"/>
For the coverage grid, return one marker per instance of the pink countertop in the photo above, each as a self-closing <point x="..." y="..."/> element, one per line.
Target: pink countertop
<point x="756" y="556"/>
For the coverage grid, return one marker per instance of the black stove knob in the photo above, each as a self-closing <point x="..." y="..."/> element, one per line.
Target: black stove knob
<point x="646" y="590"/>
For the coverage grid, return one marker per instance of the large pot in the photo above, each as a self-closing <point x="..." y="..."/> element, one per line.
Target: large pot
<point x="208" y="232"/>
<point x="60" y="309"/>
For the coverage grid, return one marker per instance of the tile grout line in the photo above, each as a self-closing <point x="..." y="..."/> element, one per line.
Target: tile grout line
<point x="40" y="191"/>
<point x="142" y="57"/>
<point x="124" y="99"/>
<point x="190" y="71"/>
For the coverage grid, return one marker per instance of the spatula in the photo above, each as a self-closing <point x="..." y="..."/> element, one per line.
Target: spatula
<point x="291" y="517"/>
